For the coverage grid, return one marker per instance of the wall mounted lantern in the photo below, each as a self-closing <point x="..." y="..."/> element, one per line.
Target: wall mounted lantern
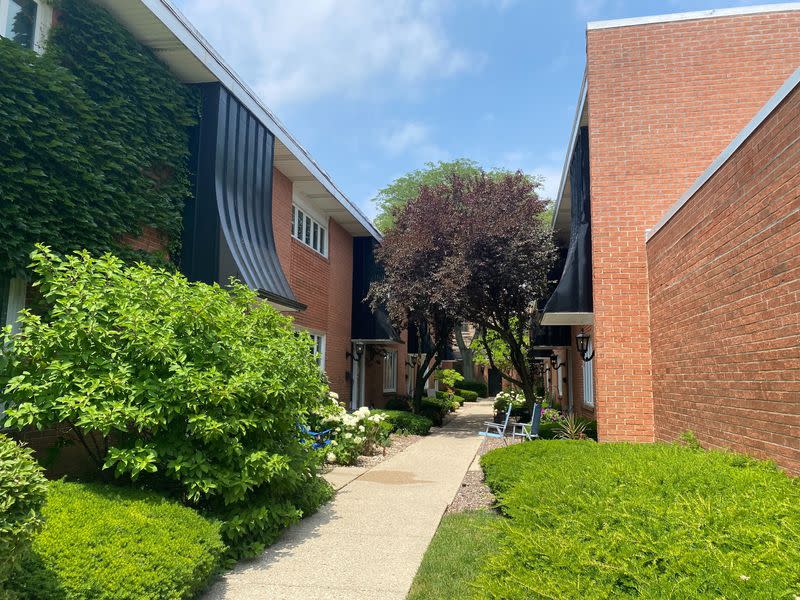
<point x="582" y="342"/>
<point x="358" y="347"/>
<point x="554" y="361"/>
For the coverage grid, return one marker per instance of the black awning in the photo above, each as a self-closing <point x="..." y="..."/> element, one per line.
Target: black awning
<point x="228" y="224"/>
<point x="571" y="302"/>
<point x="553" y="336"/>
<point x="368" y="324"/>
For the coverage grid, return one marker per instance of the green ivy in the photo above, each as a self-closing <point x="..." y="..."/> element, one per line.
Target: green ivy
<point x="95" y="138"/>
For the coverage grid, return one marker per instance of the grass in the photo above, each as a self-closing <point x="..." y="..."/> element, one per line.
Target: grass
<point x="455" y="556"/>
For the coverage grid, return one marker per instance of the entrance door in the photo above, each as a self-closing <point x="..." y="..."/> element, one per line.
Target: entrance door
<point x="495" y="382"/>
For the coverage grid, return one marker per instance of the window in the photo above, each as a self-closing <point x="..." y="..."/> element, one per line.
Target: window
<point x="588" y="380"/>
<point x="25" y="22"/>
<point x="308" y="230"/>
<point x="390" y="371"/>
<point x="318" y="348"/>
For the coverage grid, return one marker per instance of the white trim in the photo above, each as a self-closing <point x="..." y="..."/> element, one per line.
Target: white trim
<point x="588" y="378"/>
<point x="773" y="103"/>
<point x="311" y="224"/>
<point x="693" y="16"/>
<point x="41" y="28"/>
<point x="576" y="127"/>
<point x="568" y="318"/>
<point x="17" y="289"/>
<point x="180" y="26"/>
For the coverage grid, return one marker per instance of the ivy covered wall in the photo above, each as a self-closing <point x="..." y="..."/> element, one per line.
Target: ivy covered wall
<point x="94" y="138"/>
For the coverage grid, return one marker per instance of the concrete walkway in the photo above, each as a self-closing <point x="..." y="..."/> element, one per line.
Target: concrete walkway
<point x="368" y="542"/>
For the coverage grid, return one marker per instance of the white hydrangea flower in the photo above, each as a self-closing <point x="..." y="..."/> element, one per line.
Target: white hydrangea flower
<point x="348" y="435"/>
<point x="358" y="440"/>
<point x="334" y="443"/>
<point x="361" y="428"/>
<point x="331" y="457"/>
<point x="333" y="395"/>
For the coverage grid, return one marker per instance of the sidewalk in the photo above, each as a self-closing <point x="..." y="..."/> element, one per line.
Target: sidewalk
<point x="368" y="542"/>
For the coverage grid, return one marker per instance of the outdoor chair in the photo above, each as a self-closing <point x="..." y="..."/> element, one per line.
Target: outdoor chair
<point x="529" y="431"/>
<point x="497" y="430"/>
<point x="319" y="439"/>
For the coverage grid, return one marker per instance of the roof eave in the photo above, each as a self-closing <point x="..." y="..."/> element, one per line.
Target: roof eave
<point x="576" y="125"/>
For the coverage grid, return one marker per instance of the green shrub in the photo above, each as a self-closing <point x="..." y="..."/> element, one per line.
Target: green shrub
<point x="187" y="384"/>
<point x="640" y="521"/>
<point x="448" y="377"/>
<point x="436" y="409"/>
<point x="406" y="423"/>
<point x="467" y="395"/>
<point x="22" y="493"/>
<point x="105" y="542"/>
<point x="453" y="400"/>
<point x="474" y="386"/>
<point x="399" y="403"/>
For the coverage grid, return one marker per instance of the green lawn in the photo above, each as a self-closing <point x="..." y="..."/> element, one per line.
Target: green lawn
<point x="649" y="521"/>
<point x="455" y="555"/>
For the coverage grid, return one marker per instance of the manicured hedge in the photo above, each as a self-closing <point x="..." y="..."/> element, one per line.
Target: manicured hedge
<point x="474" y="386"/>
<point x="406" y="423"/>
<point x="435" y="409"/>
<point x="22" y="494"/>
<point x="455" y="401"/>
<point x="467" y="395"/>
<point x="593" y="520"/>
<point x="399" y="403"/>
<point x="104" y="542"/>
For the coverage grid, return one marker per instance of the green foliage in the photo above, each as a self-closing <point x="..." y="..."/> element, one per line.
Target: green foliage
<point x="105" y="542"/>
<point x="399" y="403"/>
<point x="22" y="493"/>
<point x="455" y="555"/>
<point x="436" y="409"/>
<point x="571" y="428"/>
<point x="406" y="423"/>
<point x="454" y="400"/>
<point x="497" y="348"/>
<point x="358" y="433"/>
<point x="640" y="521"/>
<point x="190" y="385"/>
<point x="397" y="194"/>
<point x="509" y="398"/>
<point x="95" y="140"/>
<point x="548" y="430"/>
<point x="467" y="395"/>
<point x="448" y="377"/>
<point x="476" y="386"/>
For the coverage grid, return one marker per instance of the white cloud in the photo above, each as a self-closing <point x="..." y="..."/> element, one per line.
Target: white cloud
<point x="412" y="138"/>
<point x="300" y="51"/>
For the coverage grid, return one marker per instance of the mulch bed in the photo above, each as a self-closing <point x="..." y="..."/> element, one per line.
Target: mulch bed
<point x="398" y="444"/>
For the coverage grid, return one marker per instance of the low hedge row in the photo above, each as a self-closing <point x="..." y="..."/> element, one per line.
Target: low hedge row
<point x="467" y="395"/>
<point x="474" y="386"/>
<point x="406" y="423"/>
<point x="22" y="494"/>
<point x="105" y="542"/>
<point x="593" y="520"/>
<point x="436" y="409"/>
<point x="455" y="400"/>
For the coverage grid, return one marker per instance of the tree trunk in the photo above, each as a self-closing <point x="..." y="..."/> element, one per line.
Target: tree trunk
<point x="466" y="355"/>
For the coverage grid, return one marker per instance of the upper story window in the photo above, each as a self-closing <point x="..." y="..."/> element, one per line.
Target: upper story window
<point x="26" y="22"/>
<point x="309" y="230"/>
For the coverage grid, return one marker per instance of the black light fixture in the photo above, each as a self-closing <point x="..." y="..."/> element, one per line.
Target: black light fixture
<point x="582" y="342"/>
<point x="358" y="348"/>
<point x="554" y="358"/>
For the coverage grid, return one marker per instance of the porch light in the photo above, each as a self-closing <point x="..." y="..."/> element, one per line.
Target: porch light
<point x="582" y="342"/>
<point x="358" y="352"/>
<point x="554" y="361"/>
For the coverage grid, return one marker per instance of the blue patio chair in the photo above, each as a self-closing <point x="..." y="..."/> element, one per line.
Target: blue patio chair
<point x="320" y="439"/>
<point x="529" y="431"/>
<point x="497" y="430"/>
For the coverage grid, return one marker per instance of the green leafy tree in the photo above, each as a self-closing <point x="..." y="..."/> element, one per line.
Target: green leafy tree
<point x="191" y="386"/>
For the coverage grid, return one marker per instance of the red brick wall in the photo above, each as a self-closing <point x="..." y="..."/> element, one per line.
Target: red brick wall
<point x="151" y="240"/>
<point x="725" y="301"/>
<point x="664" y="100"/>
<point x="324" y="285"/>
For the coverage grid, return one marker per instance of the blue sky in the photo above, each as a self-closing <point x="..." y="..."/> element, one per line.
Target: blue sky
<point x="375" y="88"/>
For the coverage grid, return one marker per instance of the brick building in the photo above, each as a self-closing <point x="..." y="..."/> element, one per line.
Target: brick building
<point x="678" y="341"/>
<point x="263" y="211"/>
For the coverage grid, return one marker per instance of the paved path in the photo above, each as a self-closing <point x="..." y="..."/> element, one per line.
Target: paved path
<point x="368" y="542"/>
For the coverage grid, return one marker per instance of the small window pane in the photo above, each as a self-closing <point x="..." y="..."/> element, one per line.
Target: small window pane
<point x="21" y="22"/>
<point x="322" y="233"/>
<point x="300" y="221"/>
<point x="315" y="240"/>
<point x="294" y="225"/>
<point x="307" y="232"/>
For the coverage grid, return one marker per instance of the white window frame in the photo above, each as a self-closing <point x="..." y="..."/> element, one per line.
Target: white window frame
<point x="15" y="302"/>
<point x="318" y="348"/>
<point x="309" y="228"/>
<point x="390" y="371"/>
<point x="44" y="19"/>
<point x="588" y="379"/>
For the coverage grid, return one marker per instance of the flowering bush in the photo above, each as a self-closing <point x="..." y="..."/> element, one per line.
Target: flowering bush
<point x="356" y="433"/>
<point x="508" y="399"/>
<point x="551" y="415"/>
